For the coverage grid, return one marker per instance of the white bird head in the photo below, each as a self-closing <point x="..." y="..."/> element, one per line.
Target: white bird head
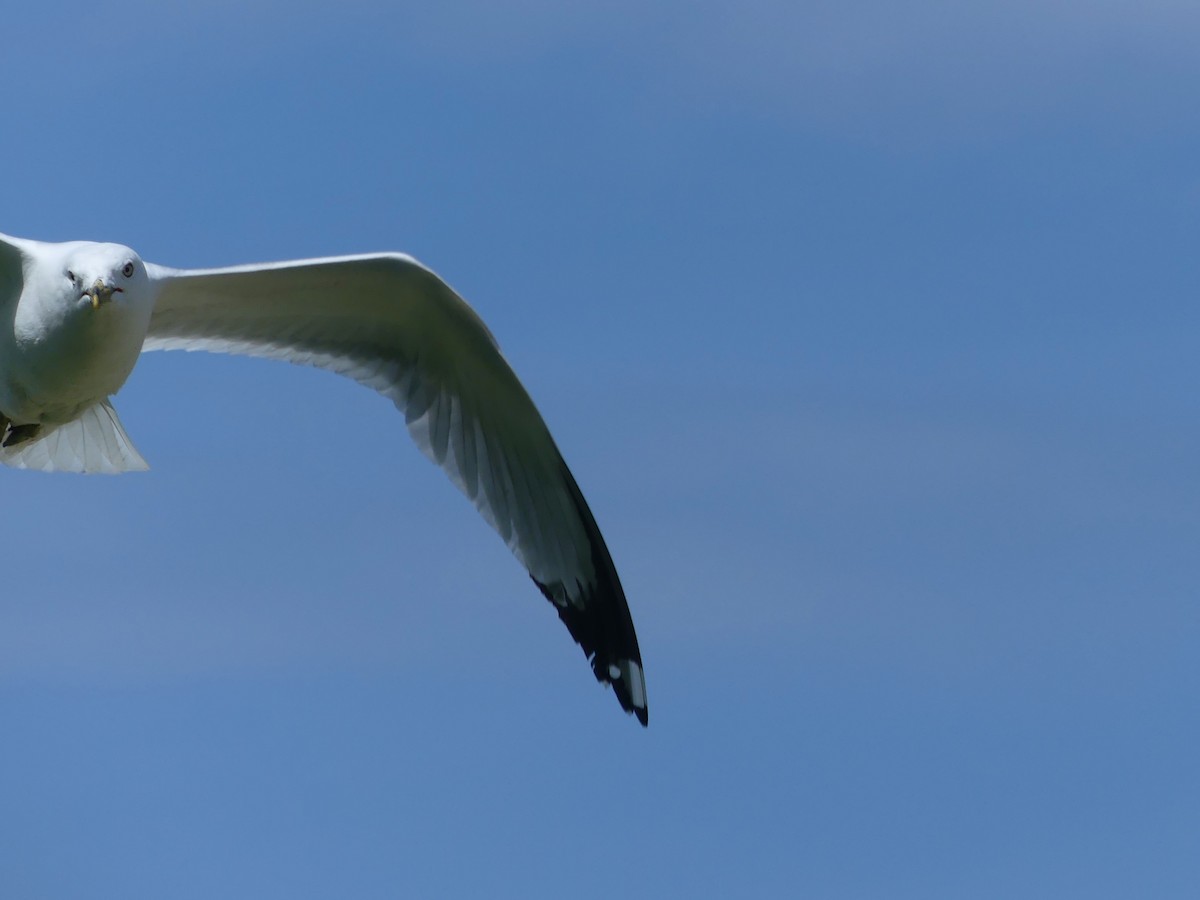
<point x="98" y="273"/>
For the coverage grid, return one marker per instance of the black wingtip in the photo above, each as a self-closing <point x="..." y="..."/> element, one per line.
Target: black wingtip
<point x="643" y="716"/>
<point x="599" y="620"/>
<point x="603" y="627"/>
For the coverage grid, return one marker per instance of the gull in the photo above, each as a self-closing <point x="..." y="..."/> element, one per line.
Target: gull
<point x="76" y="316"/>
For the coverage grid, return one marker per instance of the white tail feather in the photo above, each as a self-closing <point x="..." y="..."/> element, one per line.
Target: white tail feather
<point x="93" y="443"/>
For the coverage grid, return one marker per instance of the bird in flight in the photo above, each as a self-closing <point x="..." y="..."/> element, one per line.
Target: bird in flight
<point x="75" y="317"/>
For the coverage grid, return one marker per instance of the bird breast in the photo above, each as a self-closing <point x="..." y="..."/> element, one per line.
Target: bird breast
<point x="60" y="364"/>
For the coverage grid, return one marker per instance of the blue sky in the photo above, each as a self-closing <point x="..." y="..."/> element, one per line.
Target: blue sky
<point x="869" y="334"/>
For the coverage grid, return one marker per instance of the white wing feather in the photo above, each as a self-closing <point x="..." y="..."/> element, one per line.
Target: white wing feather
<point x="393" y="325"/>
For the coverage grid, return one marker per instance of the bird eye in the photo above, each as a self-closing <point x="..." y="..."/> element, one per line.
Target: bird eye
<point x="71" y="275"/>
<point x="128" y="270"/>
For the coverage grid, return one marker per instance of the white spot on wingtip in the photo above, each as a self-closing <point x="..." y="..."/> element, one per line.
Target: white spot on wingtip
<point x="631" y="672"/>
<point x="637" y="685"/>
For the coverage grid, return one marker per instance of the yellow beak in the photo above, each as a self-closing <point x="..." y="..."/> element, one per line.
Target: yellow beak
<point x="100" y="293"/>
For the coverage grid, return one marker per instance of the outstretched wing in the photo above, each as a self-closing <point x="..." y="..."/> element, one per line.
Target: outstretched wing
<point x="393" y="325"/>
